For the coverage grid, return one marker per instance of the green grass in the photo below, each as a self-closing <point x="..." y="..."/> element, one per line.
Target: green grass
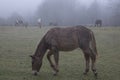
<point x="17" y="43"/>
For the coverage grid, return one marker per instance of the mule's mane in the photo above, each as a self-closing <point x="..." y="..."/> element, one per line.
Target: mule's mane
<point x="41" y="48"/>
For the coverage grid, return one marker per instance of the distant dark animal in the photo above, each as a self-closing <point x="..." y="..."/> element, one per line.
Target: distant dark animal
<point x="98" y="23"/>
<point x="65" y="39"/>
<point x="53" y="24"/>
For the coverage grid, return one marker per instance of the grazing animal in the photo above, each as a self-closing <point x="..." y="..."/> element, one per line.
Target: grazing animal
<point x="65" y="39"/>
<point x="20" y="22"/>
<point x="98" y="23"/>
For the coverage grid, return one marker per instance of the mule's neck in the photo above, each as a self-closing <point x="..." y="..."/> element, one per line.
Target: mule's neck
<point x="41" y="49"/>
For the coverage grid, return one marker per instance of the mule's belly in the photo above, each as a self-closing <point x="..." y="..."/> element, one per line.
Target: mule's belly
<point x="67" y="46"/>
<point x="68" y="42"/>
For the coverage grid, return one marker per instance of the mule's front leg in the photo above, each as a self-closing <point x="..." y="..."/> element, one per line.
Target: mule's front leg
<point x="56" y="58"/>
<point x="50" y="53"/>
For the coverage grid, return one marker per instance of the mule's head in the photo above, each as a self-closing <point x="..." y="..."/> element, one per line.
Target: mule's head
<point x="36" y="64"/>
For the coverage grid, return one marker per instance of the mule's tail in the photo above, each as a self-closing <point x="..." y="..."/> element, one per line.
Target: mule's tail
<point x="93" y="44"/>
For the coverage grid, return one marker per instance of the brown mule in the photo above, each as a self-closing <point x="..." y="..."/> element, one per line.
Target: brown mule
<point x="65" y="39"/>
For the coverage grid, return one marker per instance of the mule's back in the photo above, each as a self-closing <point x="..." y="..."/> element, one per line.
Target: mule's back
<point x="66" y="39"/>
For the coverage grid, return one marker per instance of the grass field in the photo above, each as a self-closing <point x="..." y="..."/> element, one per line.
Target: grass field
<point x="17" y="43"/>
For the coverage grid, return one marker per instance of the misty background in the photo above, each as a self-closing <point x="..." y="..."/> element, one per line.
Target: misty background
<point x="60" y="12"/>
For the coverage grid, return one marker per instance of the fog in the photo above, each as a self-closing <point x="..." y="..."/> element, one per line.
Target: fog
<point x="23" y="7"/>
<point x="61" y="12"/>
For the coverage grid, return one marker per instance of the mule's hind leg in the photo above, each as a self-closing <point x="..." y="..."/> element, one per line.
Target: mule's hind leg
<point x="93" y="66"/>
<point x="87" y="59"/>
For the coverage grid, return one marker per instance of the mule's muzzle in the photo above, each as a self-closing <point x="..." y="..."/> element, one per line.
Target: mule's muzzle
<point x="35" y="73"/>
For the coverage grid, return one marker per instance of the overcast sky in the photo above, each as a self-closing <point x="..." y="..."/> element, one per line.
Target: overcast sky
<point x="24" y="7"/>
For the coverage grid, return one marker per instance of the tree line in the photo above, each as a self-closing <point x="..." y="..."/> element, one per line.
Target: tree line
<point x="70" y="12"/>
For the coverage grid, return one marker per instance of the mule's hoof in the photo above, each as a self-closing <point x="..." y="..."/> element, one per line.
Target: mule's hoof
<point x="96" y="75"/>
<point x="55" y="74"/>
<point x="57" y="70"/>
<point x="85" y="73"/>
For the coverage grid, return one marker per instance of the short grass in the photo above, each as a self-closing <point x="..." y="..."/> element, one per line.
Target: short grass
<point x="17" y="43"/>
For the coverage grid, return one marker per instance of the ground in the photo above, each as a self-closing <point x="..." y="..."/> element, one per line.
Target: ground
<point x="17" y="43"/>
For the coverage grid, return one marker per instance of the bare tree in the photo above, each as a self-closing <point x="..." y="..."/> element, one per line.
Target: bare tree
<point x="94" y="12"/>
